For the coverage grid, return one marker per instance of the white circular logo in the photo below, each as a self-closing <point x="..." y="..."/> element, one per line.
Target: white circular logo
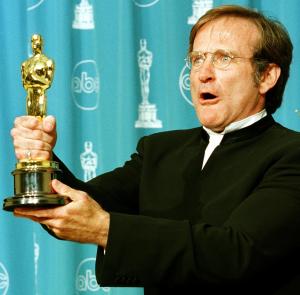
<point x="34" y="4"/>
<point x="86" y="85"/>
<point x="4" y="280"/>
<point x="86" y="282"/>
<point x="144" y="3"/>
<point x="184" y="84"/>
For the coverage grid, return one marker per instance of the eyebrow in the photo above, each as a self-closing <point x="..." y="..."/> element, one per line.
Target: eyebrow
<point x="223" y="51"/>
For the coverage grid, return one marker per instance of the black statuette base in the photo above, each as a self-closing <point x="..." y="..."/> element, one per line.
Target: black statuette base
<point x="54" y="200"/>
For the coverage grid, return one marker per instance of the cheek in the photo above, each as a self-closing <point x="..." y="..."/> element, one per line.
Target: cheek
<point x="193" y="86"/>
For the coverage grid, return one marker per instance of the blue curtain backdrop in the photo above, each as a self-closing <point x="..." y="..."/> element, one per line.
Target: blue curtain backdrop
<point x="120" y="74"/>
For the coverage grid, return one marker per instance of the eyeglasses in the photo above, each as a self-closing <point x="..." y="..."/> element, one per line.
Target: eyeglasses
<point x="219" y="59"/>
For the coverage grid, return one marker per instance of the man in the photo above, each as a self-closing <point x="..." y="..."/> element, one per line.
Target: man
<point x="216" y="208"/>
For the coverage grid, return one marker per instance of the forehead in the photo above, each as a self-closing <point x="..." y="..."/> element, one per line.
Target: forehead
<point x="234" y="34"/>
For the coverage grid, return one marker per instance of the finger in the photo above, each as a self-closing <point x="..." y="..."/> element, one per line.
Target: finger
<point x="37" y="215"/>
<point x="26" y="149"/>
<point x="65" y="190"/>
<point x="37" y="134"/>
<point x="22" y="154"/>
<point x="49" y="124"/>
<point x="29" y="122"/>
<point x="34" y="144"/>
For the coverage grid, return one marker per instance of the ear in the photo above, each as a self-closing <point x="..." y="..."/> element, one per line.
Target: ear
<point x="269" y="78"/>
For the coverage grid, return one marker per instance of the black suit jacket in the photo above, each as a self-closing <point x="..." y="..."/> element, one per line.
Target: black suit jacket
<point x="232" y="227"/>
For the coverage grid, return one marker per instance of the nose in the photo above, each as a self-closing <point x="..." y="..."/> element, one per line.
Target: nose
<point x="206" y="72"/>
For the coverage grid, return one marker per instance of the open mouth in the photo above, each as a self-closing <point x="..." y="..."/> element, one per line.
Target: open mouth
<point x="208" y="95"/>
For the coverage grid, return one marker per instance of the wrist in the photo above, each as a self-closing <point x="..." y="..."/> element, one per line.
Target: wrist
<point x="104" y="229"/>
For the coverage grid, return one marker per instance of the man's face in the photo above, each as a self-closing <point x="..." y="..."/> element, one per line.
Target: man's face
<point x="223" y="96"/>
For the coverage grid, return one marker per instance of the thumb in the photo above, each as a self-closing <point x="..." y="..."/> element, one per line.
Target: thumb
<point x="49" y="124"/>
<point x="65" y="190"/>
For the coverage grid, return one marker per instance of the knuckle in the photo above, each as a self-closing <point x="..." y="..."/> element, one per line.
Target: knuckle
<point x="58" y="224"/>
<point x="17" y="144"/>
<point x="84" y="196"/>
<point x="18" y="154"/>
<point x="68" y="211"/>
<point x="37" y="134"/>
<point x="39" y="145"/>
<point x="41" y="155"/>
<point x="13" y="132"/>
<point x="17" y="121"/>
<point x="42" y="146"/>
<point x="47" y="155"/>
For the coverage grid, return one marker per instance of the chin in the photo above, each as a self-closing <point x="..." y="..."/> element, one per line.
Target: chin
<point x="210" y="117"/>
<point x="213" y="125"/>
<point x="208" y="120"/>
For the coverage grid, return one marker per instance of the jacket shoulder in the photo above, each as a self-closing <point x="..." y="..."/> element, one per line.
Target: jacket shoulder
<point x="180" y="134"/>
<point x="171" y="139"/>
<point x="285" y="133"/>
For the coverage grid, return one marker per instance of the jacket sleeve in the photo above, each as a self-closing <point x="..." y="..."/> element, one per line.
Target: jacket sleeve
<point x="115" y="191"/>
<point x="257" y="239"/>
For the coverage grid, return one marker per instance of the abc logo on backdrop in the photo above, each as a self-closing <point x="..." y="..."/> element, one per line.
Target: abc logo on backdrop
<point x="144" y="3"/>
<point x="4" y="280"/>
<point x="86" y="85"/>
<point x="86" y="282"/>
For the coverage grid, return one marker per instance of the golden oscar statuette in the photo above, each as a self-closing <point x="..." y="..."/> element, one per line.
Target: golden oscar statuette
<point x="32" y="177"/>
